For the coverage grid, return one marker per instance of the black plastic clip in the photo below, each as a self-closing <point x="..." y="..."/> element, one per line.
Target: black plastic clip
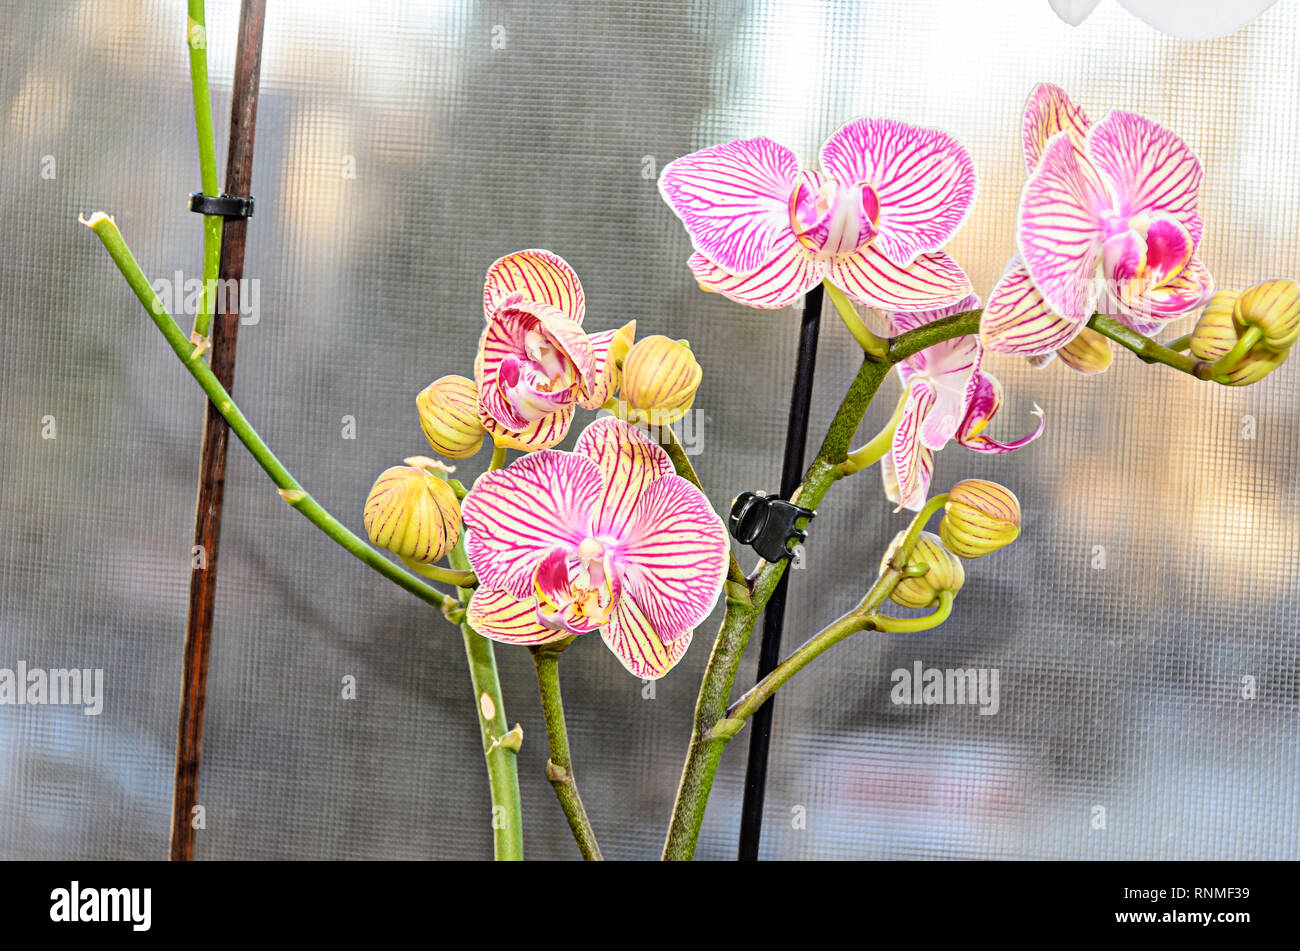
<point x="227" y="206"/>
<point x="767" y="524"/>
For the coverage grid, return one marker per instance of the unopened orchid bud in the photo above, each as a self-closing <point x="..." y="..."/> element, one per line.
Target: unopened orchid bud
<point x="1217" y="333"/>
<point x="619" y="348"/>
<point x="1273" y="307"/>
<point x="979" y="518"/>
<point x="449" y="417"/>
<point x="943" y="572"/>
<point x="412" y="513"/>
<point x="660" y="377"/>
<point x="1089" y="352"/>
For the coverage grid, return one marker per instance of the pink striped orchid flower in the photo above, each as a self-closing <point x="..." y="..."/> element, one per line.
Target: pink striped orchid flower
<point x="889" y="196"/>
<point x="948" y="397"/>
<point x="1107" y="221"/>
<point x="606" y="537"/>
<point x="535" y="363"/>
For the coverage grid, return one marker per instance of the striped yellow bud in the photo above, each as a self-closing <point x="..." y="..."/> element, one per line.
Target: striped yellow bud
<point x="1089" y="352"/>
<point x="944" y="573"/>
<point x="660" y="376"/>
<point x="449" y="417"/>
<point x="1274" y="307"/>
<point x="618" y="351"/>
<point x="413" y="513"/>
<point x="1217" y="333"/>
<point x="979" y="518"/>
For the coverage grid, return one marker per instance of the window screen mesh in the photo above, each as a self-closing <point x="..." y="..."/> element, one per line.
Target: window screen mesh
<point x="475" y="129"/>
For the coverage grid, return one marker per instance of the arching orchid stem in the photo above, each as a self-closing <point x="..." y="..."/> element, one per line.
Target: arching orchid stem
<point x="1147" y="349"/>
<point x="911" y="625"/>
<point x="559" y="768"/>
<point x="873" y="346"/>
<point x="706" y="747"/>
<point x="498" y="457"/>
<point x="459" y="579"/>
<point x="738" y="623"/>
<point x="904" y="550"/>
<point x="875" y="450"/>
<point x="865" y="616"/>
<point x="500" y="745"/>
<point x="667" y="438"/>
<point x="1243" y="346"/>
<point x="290" y="490"/>
<point x="1181" y="344"/>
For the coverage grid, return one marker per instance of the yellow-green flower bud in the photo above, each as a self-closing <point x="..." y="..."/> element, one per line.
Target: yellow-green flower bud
<point x="618" y="351"/>
<point x="1089" y="352"/>
<point x="979" y="518"/>
<point x="944" y="572"/>
<point x="412" y="513"/>
<point x="660" y="377"/>
<point x="1273" y="307"/>
<point x="449" y="417"/>
<point x="1217" y="333"/>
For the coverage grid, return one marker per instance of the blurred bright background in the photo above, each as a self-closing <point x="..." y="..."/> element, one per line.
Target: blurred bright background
<point x="401" y="148"/>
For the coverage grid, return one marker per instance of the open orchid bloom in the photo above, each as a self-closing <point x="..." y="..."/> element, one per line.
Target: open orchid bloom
<point x="889" y="196"/>
<point x="535" y="363"/>
<point x="1107" y="221"/>
<point x="606" y="537"/>
<point x="948" y="396"/>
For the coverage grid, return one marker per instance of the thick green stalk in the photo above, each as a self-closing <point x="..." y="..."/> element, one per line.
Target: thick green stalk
<point x="1147" y="350"/>
<point x="871" y="453"/>
<point x="197" y="41"/>
<point x="290" y="490"/>
<point x="500" y="745"/>
<point x="738" y="623"/>
<point x="559" y="768"/>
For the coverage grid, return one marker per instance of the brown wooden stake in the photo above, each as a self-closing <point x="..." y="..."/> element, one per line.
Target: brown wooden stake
<point x="212" y="461"/>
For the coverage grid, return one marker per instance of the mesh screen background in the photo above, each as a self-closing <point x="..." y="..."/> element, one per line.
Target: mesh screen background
<point x="1120" y="686"/>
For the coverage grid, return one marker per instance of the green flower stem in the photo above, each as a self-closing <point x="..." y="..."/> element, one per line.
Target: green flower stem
<point x="500" y="745"/>
<point x="875" y="450"/>
<point x="682" y="464"/>
<point x="458" y="579"/>
<point x="874" y="347"/>
<point x="738" y="623"/>
<point x="559" y="768"/>
<point x="498" y="457"/>
<point x="290" y="490"/>
<point x="197" y="41"/>
<point x="1147" y="350"/>
<point x="911" y="625"/>
<point x="1243" y="346"/>
<point x="864" y="616"/>
<point x="1181" y="344"/>
<point x="705" y="748"/>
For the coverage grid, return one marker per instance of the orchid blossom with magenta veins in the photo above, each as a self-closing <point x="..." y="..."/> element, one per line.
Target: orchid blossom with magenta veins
<point x="1109" y="220"/>
<point x="872" y="221"/>
<point x="948" y="396"/>
<point x="606" y="537"/>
